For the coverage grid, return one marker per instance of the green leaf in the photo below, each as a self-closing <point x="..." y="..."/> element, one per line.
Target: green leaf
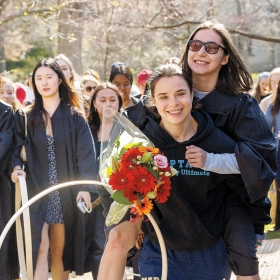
<point x="147" y="157"/>
<point x="117" y="139"/>
<point x="150" y="169"/>
<point x="139" y="197"/>
<point x="133" y="144"/>
<point x="123" y="150"/>
<point x="119" y="197"/>
<point x="114" y="163"/>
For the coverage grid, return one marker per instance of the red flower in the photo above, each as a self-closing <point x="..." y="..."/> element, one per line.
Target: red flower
<point x="120" y="180"/>
<point x="130" y="157"/>
<point x="162" y="189"/>
<point x="130" y="194"/>
<point x="143" y="179"/>
<point x="134" y="214"/>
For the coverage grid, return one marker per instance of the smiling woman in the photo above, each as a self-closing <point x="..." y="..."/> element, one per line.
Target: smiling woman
<point x="59" y="148"/>
<point x="173" y="100"/>
<point x="8" y="93"/>
<point x="189" y="221"/>
<point x="219" y="78"/>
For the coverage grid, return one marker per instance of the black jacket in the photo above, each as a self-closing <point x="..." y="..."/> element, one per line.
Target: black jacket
<point x="8" y="253"/>
<point x="193" y="216"/>
<point x="240" y="117"/>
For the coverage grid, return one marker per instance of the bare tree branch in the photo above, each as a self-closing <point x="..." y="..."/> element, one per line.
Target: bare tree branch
<point x="187" y="22"/>
<point x="22" y="14"/>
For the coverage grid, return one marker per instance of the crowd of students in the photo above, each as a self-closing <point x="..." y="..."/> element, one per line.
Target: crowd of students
<point x="205" y="116"/>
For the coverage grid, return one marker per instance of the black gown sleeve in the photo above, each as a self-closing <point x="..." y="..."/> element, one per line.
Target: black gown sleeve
<point x="85" y="153"/>
<point x="6" y="135"/>
<point x="241" y="118"/>
<point x="19" y="138"/>
<point x="255" y="150"/>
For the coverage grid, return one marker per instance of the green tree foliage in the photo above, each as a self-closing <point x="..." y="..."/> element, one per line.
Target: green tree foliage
<point x="18" y="70"/>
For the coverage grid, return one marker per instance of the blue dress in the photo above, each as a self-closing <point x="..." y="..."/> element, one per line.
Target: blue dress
<point x="54" y="213"/>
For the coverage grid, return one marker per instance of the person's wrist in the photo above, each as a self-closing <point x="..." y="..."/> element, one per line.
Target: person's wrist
<point x="17" y="168"/>
<point x="260" y="236"/>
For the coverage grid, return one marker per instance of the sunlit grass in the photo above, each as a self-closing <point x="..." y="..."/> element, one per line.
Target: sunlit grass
<point x="274" y="234"/>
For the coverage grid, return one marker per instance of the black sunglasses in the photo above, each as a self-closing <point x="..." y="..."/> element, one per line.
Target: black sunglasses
<point x="88" y="89"/>
<point x="210" y="47"/>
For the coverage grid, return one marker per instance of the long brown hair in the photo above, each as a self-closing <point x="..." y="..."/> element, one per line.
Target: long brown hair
<point x="71" y="66"/>
<point x="233" y="77"/>
<point x="94" y="121"/>
<point x="273" y="72"/>
<point x="257" y="91"/>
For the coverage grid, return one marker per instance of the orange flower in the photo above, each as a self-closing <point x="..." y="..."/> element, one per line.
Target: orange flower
<point x="144" y="207"/>
<point x="143" y="150"/>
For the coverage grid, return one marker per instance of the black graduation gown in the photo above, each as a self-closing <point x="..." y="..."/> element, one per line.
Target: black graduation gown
<point x="8" y="253"/>
<point x="75" y="160"/>
<point x="241" y="118"/>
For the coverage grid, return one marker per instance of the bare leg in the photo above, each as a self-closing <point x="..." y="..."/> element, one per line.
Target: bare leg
<point x="42" y="267"/>
<point x="121" y="239"/>
<point x="253" y="277"/>
<point x="57" y="240"/>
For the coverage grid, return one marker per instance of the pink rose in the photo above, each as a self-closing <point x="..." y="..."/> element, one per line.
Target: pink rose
<point x="160" y="161"/>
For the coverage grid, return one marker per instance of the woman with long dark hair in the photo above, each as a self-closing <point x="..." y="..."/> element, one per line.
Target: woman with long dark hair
<point x="273" y="80"/>
<point x="105" y="94"/>
<point x="59" y="148"/>
<point x="221" y="81"/>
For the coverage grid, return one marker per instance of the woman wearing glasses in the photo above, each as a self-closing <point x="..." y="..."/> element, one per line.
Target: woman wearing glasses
<point x="219" y="76"/>
<point x="88" y="84"/>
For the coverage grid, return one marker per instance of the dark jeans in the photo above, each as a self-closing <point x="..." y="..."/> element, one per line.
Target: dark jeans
<point x="240" y="238"/>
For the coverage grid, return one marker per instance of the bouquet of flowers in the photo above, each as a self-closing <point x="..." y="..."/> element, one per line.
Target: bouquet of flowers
<point x="134" y="171"/>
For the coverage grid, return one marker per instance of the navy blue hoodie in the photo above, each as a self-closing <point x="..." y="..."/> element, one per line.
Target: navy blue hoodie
<point x="193" y="216"/>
